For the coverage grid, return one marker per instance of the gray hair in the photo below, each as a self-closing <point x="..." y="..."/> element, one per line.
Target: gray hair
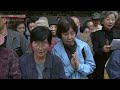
<point x="104" y="14"/>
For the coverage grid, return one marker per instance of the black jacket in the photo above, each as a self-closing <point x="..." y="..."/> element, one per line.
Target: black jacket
<point x="99" y="39"/>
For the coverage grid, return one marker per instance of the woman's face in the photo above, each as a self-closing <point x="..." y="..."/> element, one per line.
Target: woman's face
<point x="40" y="48"/>
<point x="21" y="28"/>
<point x="68" y="37"/>
<point x="53" y="29"/>
<point x="31" y="26"/>
<point x="90" y="25"/>
<point x="109" y="21"/>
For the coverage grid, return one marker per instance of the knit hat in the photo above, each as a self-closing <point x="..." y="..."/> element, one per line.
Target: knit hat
<point x="42" y="21"/>
<point x="2" y="39"/>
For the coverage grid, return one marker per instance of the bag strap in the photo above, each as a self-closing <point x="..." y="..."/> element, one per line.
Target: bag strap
<point x="83" y="53"/>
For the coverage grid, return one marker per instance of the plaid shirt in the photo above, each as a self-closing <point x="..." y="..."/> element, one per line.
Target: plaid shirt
<point x="9" y="67"/>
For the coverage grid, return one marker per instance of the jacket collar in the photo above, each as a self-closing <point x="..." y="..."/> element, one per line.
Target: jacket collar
<point x="62" y="53"/>
<point x="59" y="45"/>
<point x="48" y="61"/>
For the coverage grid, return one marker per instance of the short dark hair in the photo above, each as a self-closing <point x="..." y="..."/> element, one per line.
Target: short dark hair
<point x="30" y="21"/>
<point x="86" y="22"/>
<point x="16" y="24"/>
<point x="40" y="33"/>
<point x="64" y="25"/>
<point x="82" y="29"/>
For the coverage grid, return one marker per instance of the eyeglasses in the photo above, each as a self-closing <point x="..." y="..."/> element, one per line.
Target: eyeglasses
<point x="38" y="43"/>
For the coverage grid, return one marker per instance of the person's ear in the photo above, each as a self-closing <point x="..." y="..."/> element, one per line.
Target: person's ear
<point x="30" y="45"/>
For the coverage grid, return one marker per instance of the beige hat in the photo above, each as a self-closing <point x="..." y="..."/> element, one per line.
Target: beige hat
<point x="42" y="21"/>
<point x="2" y="39"/>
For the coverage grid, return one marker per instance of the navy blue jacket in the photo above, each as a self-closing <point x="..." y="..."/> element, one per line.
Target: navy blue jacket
<point x="53" y="67"/>
<point x="113" y="65"/>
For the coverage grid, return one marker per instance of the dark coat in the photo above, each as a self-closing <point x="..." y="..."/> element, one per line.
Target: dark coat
<point x="53" y="67"/>
<point x="99" y="40"/>
<point x="17" y="42"/>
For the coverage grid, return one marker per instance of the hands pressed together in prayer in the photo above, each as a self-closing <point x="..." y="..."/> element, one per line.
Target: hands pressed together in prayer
<point x="74" y="61"/>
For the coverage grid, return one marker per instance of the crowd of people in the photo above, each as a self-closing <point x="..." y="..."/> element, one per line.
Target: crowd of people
<point x="60" y="48"/>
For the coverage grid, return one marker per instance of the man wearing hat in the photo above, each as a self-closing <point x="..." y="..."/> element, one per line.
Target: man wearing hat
<point x="9" y="67"/>
<point x="95" y="19"/>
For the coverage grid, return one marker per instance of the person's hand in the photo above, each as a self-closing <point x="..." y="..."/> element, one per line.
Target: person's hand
<point x="74" y="61"/>
<point x="106" y="48"/>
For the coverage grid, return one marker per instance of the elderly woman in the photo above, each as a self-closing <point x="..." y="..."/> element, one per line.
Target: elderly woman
<point x="101" y="42"/>
<point x="76" y="64"/>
